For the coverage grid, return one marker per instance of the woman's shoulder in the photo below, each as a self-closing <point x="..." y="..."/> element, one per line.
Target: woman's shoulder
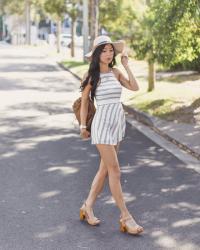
<point x="84" y="78"/>
<point x="116" y="71"/>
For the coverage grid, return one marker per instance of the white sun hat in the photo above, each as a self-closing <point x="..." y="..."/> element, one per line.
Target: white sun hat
<point x="99" y="40"/>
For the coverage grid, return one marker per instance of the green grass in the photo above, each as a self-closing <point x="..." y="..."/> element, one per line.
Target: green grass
<point x="159" y="107"/>
<point x="168" y="101"/>
<point x="77" y="67"/>
<point x="73" y="64"/>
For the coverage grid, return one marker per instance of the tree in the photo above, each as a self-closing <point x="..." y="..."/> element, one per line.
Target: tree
<point x="57" y="9"/>
<point x="119" y="17"/>
<point x="133" y="28"/>
<point x="107" y="11"/>
<point x="94" y="20"/>
<point x="144" y="45"/>
<point x="12" y="6"/>
<point x="21" y="8"/>
<point x="177" y="31"/>
<point x="168" y="33"/>
<point x="72" y="11"/>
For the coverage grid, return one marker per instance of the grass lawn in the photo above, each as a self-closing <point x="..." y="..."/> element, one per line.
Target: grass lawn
<point x="176" y="95"/>
<point x="168" y="101"/>
<point x="78" y="67"/>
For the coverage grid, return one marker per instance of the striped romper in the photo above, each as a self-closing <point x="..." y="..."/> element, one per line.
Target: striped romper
<point x="108" y="125"/>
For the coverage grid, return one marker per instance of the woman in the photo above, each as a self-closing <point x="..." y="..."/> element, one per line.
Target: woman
<point x="104" y="82"/>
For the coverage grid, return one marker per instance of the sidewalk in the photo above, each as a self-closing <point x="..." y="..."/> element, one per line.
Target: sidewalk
<point x="185" y="136"/>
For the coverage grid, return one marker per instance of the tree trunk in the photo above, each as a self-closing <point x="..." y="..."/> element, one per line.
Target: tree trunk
<point x="94" y="20"/>
<point x="90" y="8"/>
<point x="151" y="76"/>
<point x="28" y="21"/>
<point x="73" y="26"/>
<point x="1" y="27"/>
<point x="58" y="35"/>
<point x="85" y="28"/>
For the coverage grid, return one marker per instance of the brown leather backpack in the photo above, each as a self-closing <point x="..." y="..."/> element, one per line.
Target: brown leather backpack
<point x="91" y="112"/>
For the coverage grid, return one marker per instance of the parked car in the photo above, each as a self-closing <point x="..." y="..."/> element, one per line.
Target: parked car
<point x="65" y="40"/>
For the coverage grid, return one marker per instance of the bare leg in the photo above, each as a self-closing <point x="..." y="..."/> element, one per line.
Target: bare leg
<point x="97" y="184"/>
<point x="109" y="165"/>
<point x="109" y="157"/>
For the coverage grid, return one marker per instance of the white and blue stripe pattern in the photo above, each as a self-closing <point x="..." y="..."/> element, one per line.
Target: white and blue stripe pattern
<point x="109" y="89"/>
<point x="108" y="125"/>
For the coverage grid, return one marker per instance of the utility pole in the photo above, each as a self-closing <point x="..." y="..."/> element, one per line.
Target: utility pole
<point x="85" y="27"/>
<point x="28" y="22"/>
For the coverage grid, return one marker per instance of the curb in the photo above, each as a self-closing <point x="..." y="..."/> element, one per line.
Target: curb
<point x="147" y="120"/>
<point x="139" y="115"/>
<point x="67" y="69"/>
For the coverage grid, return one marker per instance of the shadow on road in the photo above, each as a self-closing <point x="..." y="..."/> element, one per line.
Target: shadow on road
<point x="51" y="171"/>
<point x="24" y="67"/>
<point x="55" y="84"/>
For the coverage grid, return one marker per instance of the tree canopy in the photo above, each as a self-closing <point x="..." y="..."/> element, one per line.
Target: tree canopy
<point x="169" y="32"/>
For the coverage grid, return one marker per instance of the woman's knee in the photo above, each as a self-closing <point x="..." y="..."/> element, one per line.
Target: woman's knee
<point x="114" y="171"/>
<point x="103" y="172"/>
<point x="102" y="169"/>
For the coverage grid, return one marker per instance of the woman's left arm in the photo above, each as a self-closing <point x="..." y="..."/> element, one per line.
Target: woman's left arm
<point x="131" y="82"/>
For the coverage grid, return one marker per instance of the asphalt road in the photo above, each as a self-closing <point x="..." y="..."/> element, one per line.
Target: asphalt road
<point x="46" y="171"/>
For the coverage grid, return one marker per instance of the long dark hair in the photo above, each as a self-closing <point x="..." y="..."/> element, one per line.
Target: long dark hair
<point x="94" y="70"/>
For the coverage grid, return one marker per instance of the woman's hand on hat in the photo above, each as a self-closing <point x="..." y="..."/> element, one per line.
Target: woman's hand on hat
<point x="124" y="59"/>
<point x="84" y="133"/>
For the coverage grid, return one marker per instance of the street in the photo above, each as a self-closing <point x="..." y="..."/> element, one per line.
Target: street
<point x="46" y="171"/>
